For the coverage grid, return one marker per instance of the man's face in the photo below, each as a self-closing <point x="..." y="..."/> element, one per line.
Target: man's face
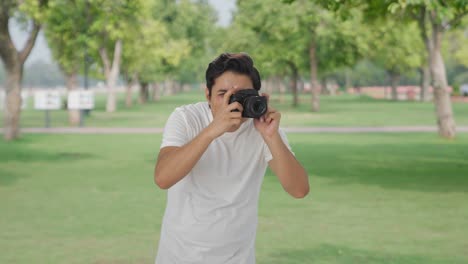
<point x="226" y="81"/>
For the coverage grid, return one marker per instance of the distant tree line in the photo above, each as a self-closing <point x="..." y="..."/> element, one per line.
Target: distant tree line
<point x="365" y="73"/>
<point x="147" y="44"/>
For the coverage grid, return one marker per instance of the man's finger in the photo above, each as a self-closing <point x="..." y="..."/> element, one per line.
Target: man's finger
<point x="235" y="115"/>
<point x="267" y="96"/>
<point x="269" y="117"/>
<point x="228" y="94"/>
<point x="235" y="105"/>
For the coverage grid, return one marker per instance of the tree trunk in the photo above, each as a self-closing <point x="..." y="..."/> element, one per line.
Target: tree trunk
<point x="266" y="84"/>
<point x="156" y="92"/>
<point x="348" y="80"/>
<point x="443" y="104"/>
<point x="13" y="60"/>
<point x="313" y="77"/>
<point x="294" y="77"/>
<point x="144" y="93"/>
<point x="294" y="88"/>
<point x="131" y="82"/>
<point x="71" y="83"/>
<point x="282" y="90"/>
<point x="112" y="73"/>
<point x="425" y="83"/>
<point x="12" y="102"/>
<point x="300" y="85"/>
<point x="129" y="95"/>
<point x="332" y="87"/>
<point x="168" y="87"/>
<point x="111" y="104"/>
<point x="394" y="81"/>
<point x="178" y="87"/>
<point x="275" y="83"/>
<point x="324" y="88"/>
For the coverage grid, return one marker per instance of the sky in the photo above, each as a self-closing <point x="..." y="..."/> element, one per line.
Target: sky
<point x="41" y="50"/>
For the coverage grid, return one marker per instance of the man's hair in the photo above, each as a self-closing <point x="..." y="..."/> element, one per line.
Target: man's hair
<point x="240" y="63"/>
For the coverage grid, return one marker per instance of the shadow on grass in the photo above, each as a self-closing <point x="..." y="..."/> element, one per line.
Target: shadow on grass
<point x="420" y="167"/>
<point x="8" y="177"/>
<point x="334" y="254"/>
<point x="20" y="152"/>
<point x="32" y="155"/>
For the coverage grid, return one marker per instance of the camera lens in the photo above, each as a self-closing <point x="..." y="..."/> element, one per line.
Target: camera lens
<point x="255" y="106"/>
<point x="258" y="107"/>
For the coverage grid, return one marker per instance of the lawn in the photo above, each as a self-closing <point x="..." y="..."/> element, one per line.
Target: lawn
<point x="344" y="110"/>
<point x="375" y="198"/>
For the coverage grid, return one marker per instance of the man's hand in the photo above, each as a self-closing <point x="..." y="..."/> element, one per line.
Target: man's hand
<point x="224" y="119"/>
<point x="268" y="124"/>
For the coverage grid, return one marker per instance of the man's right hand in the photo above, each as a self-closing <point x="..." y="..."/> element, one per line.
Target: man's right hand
<point x="225" y="119"/>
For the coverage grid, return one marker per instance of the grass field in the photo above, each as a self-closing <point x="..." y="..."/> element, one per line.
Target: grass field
<point x="375" y="198"/>
<point x="345" y="110"/>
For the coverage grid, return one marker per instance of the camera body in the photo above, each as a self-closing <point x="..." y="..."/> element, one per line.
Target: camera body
<point x="254" y="105"/>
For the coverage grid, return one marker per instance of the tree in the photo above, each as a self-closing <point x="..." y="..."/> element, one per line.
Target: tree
<point x="263" y="29"/>
<point x="434" y="18"/>
<point x="303" y="37"/>
<point x="396" y="48"/>
<point x="147" y="60"/>
<point x="65" y="30"/>
<point x="455" y="53"/>
<point x="192" y="22"/>
<point x="110" y="22"/>
<point x="456" y="42"/>
<point x="441" y="16"/>
<point x="32" y="12"/>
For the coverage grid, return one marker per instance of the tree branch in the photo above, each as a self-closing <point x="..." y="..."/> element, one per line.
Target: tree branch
<point x="458" y="18"/>
<point x="105" y="61"/>
<point x="28" y="46"/>
<point x="24" y="53"/>
<point x="422" y="23"/>
<point x="437" y="30"/>
<point x="7" y="47"/>
<point x="117" y="53"/>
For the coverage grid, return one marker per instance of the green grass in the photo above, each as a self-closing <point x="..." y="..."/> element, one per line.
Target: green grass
<point x="344" y="110"/>
<point x="375" y="198"/>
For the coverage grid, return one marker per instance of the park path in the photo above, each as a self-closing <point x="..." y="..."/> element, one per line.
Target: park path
<point x="156" y="130"/>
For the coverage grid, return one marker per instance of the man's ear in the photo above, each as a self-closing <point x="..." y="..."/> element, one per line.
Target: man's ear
<point x="207" y="94"/>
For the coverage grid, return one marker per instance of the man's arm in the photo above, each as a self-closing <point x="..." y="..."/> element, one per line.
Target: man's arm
<point x="292" y="176"/>
<point x="174" y="163"/>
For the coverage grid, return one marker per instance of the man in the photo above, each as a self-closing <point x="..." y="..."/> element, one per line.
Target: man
<point x="212" y="161"/>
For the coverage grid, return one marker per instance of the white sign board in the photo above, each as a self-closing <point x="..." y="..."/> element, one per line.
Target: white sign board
<point x="47" y="100"/>
<point x="464" y="89"/>
<point x="24" y="100"/>
<point x="80" y="100"/>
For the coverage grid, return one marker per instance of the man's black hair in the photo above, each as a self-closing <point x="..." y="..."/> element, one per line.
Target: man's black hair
<point x="240" y="63"/>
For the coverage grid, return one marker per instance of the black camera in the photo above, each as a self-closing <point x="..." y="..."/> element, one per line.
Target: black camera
<point x="254" y="105"/>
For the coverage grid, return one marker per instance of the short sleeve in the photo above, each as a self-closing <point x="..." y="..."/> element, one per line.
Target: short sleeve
<point x="175" y="132"/>
<point x="266" y="150"/>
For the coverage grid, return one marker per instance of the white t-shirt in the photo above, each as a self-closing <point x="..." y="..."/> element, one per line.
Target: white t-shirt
<point x="211" y="214"/>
